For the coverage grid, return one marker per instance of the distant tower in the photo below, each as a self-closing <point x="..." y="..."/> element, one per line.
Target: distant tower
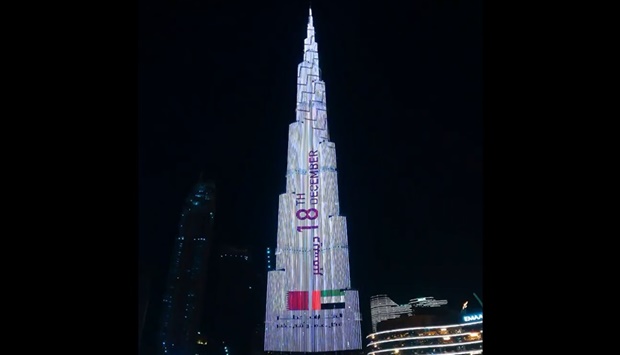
<point x="184" y="296"/>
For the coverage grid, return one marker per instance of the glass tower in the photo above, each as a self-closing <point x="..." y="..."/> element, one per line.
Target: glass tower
<point x="310" y="304"/>
<point x="184" y="295"/>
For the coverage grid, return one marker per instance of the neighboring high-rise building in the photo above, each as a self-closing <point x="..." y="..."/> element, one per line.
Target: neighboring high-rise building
<point x="444" y="332"/>
<point x="184" y="296"/>
<point x="310" y="305"/>
<point x="382" y="308"/>
<point x="423" y="326"/>
<point x="234" y="315"/>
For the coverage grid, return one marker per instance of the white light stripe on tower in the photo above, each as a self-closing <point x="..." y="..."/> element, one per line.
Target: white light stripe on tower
<point x="310" y="304"/>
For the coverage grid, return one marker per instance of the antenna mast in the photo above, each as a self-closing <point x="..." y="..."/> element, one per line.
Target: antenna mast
<point x="477" y="298"/>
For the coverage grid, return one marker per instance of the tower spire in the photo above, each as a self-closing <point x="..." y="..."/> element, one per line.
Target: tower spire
<point x="310" y="45"/>
<point x="310" y="34"/>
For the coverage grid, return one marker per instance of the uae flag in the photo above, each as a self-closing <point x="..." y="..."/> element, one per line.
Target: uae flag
<point x="326" y="299"/>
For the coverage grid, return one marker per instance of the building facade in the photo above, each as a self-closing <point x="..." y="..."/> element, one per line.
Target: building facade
<point x="383" y="308"/>
<point x="310" y="305"/>
<point x="430" y="330"/>
<point x="462" y="338"/>
<point x="234" y="313"/>
<point x="184" y="296"/>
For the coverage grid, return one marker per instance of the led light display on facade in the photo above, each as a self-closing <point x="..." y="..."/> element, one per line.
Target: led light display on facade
<point x="472" y="317"/>
<point x="310" y="304"/>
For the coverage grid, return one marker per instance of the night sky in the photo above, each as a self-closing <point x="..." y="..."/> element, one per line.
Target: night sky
<point x="404" y="98"/>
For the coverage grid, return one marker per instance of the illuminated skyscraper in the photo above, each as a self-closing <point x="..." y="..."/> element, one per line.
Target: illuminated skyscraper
<point x="184" y="296"/>
<point x="310" y="304"/>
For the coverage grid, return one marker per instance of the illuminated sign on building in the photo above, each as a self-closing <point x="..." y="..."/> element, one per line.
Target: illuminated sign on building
<point x="472" y="317"/>
<point x="310" y="304"/>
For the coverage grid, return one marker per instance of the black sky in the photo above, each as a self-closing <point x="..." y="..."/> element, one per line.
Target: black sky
<point x="404" y="98"/>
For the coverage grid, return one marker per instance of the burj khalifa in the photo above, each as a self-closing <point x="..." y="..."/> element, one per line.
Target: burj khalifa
<point x="311" y="306"/>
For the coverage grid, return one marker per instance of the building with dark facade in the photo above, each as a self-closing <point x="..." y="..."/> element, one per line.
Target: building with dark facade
<point x="184" y="296"/>
<point x="233" y="306"/>
<point x="143" y="304"/>
<point x="234" y="311"/>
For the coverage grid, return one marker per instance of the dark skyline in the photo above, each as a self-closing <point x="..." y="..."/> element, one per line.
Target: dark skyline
<point x="404" y="101"/>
